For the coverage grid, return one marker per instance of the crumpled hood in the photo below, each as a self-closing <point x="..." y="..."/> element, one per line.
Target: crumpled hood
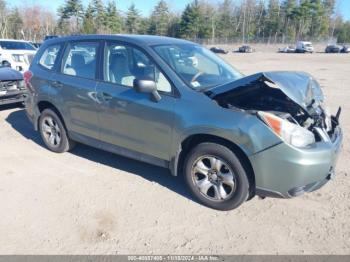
<point x="9" y="74"/>
<point x="300" y="87"/>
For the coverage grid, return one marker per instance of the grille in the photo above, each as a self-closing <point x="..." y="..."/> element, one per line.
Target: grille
<point x="8" y="85"/>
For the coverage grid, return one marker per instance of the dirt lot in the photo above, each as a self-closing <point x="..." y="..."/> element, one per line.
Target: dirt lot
<point x="93" y="202"/>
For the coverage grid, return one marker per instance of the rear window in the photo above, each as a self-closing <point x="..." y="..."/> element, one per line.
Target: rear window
<point x="48" y="58"/>
<point x="16" y="45"/>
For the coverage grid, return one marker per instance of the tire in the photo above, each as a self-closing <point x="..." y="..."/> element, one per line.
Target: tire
<point x="207" y="183"/>
<point x="53" y="132"/>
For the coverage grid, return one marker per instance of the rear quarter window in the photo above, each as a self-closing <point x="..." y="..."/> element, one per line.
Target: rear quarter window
<point x="49" y="56"/>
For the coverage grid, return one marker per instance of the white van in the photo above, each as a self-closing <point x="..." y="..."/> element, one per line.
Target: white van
<point x="17" y="54"/>
<point x="304" y="47"/>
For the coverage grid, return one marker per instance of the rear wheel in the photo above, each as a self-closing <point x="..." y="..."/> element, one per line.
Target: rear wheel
<point x="216" y="176"/>
<point x="53" y="132"/>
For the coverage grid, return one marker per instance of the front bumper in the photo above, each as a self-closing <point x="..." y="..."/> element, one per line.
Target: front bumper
<point x="285" y="171"/>
<point x="12" y="97"/>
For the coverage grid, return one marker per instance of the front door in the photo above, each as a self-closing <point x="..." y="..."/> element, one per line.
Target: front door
<point x="129" y="119"/>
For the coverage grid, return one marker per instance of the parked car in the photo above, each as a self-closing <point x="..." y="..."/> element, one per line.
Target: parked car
<point x="218" y="50"/>
<point x="12" y="88"/>
<point x="48" y="37"/>
<point x="231" y="136"/>
<point x="36" y="45"/>
<point x="16" y="54"/>
<point x="245" y="49"/>
<point x="333" y="49"/>
<point x="304" y="47"/>
<point x="345" y="49"/>
<point x="288" y="49"/>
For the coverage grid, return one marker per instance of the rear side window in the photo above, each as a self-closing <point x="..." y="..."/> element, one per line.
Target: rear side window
<point x="80" y="60"/>
<point x="49" y="56"/>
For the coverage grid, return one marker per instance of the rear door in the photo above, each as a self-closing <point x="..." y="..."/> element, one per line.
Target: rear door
<point x="75" y="86"/>
<point x="42" y="70"/>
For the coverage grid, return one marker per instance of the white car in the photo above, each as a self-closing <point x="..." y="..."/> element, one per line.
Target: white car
<point x="288" y="49"/>
<point x="304" y="47"/>
<point x="17" y="54"/>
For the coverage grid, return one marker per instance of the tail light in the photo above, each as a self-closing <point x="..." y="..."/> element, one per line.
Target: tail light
<point x="27" y="76"/>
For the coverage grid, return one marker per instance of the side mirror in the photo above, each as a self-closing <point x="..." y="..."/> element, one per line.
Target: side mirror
<point x="147" y="87"/>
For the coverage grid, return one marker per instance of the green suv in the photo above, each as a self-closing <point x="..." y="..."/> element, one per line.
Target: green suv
<point x="175" y="104"/>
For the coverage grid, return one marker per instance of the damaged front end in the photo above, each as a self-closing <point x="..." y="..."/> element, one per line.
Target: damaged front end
<point x="290" y="103"/>
<point x="12" y="89"/>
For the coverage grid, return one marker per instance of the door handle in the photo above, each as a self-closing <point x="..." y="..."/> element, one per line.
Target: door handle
<point x="106" y="97"/>
<point x="57" y="84"/>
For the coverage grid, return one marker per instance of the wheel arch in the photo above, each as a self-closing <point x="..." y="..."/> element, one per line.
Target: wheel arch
<point x="192" y="140"/>
<point x="44" y="104"/>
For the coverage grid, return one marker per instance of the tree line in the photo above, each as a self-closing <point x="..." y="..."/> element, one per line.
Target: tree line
<point x="245" y="20"/>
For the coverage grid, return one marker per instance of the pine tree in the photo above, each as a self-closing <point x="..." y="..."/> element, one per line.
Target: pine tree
<point x="113" y="21"/>
<point x="100" y="17"/>
<point x="159" y="21"/>
<point x="288" y="8"/>
<point x="190" y="21"/>
<point x="274" y="19"/>
<point x="133" y="18"/>
<point x="88" y="21"/>
<point x="144" y="25"/>
<point x="303" y="16"/>
<point x="72" y="9"/>
<point x="174" y="25"/>
<point x="319" y="25"/>
<point x="16" y="24"/>
<point x="225" y="27"/>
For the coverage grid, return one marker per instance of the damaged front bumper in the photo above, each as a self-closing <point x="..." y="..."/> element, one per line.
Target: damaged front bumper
<point x="12" y="97"/>
<point x="285" y="171"/>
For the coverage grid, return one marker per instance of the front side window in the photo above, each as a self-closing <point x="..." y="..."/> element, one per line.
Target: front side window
<point x="123" y="64"/>
<point x="16" y="45"/>
<point x="198" y="67"/>
<point x="80" y="60"/>
<point x="49" y="56"/>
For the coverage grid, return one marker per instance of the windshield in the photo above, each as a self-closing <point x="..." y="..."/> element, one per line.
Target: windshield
<point x="197" y="66"/>
<point x="16" y="45"/>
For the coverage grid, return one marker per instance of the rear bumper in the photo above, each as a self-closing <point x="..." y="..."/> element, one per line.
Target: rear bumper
<point x="284" y="171"/>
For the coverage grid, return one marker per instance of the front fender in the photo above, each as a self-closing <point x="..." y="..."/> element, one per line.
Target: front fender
<point x="245" y="131"/>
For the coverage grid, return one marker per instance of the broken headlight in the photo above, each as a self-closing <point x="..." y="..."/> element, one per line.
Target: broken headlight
<point x="291" y="133"/>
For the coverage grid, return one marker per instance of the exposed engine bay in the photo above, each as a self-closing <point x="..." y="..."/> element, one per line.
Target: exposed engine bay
<point x="300" y="104"/>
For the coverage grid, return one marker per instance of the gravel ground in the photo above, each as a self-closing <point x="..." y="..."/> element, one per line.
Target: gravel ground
<point x="93" y="202"/>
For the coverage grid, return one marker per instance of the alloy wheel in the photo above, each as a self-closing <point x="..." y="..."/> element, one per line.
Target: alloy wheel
<point x="213" y="178"/>
<point x="51" y="131"/>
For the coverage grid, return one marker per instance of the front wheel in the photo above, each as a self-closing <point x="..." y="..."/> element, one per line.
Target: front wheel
<point x="53" y="132"/>
<point x="216" y="176"/>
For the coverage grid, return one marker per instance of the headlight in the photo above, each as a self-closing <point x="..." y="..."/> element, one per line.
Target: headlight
<point x="21" y="84"/>
<point x="292" y="134"/>
<point x="18" y="58"/>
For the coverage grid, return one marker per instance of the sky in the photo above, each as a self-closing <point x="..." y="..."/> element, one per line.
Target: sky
<point x="146" y="6"/>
